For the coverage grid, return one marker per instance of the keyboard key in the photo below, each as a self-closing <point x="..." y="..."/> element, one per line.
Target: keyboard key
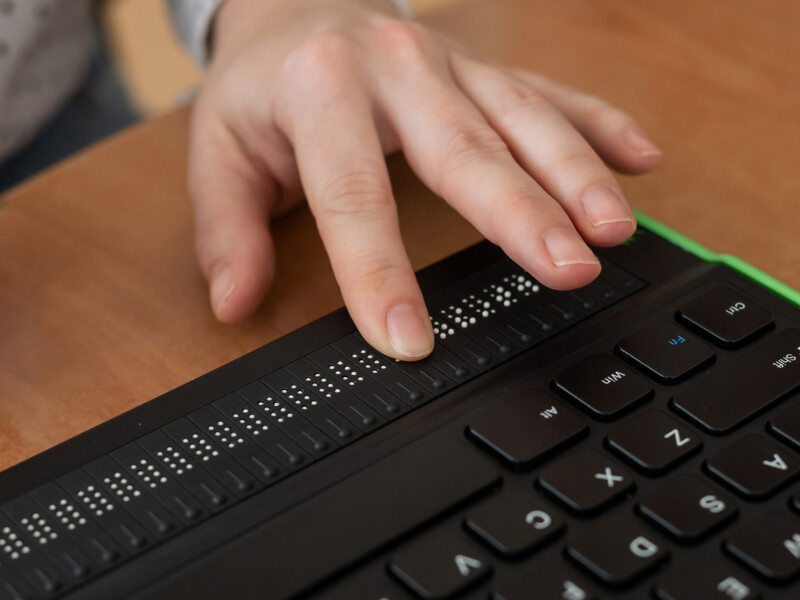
<point x="586" y="481"/>
<point x="654" y="442"/>
<point x="617" y="550"/>
<point x="726" y="316"/>
<point x="688" y="507"/>
<point x="551" y="579"/>
<point x="373" y="584"/>
<point x="769" y="544"/>
<point x="740" y="389"/>
<point x="666" y="352"/>
<point x="604" y="386"/>
<point x="514" y="522"/>
<point x="786" y="425"/>
<point x="526" y="429"/>
<point x="705" y="577"/>
<point x="754" y="466"/>
<point x="439" y="565"/>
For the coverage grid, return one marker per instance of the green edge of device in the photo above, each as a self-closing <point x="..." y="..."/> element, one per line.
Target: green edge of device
<point x="737" y="264"/>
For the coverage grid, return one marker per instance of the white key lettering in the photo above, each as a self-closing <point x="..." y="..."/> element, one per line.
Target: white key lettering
<point x="643" y="548"/>
<point x="733" y="588"/>
<point x="613" y="378"/>
<point x="679" y="441"/>
<point x="609" y="477"/>
<point x="793" y="545"/>
<point x="776" y="463"/>
<point x="465" y="564"/>
<point x="549" y="412"/>
<point x="732" y="310"/>
<point x="712" y="504"/>
<point x="573" y="592"/>
<point x="538" y="519"/>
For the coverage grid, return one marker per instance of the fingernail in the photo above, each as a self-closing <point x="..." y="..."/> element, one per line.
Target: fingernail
<point x="604" y="205"/>
<point x="408" y="333"/>
<point x="567" y="248"/>
<point x="639" y="142"/>
<point x="222" y="286"/>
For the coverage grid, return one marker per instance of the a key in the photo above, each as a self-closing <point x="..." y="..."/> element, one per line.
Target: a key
<point x="514" y="522"/>
<point x="439" y="565"/>
<point x="551" y="579"/>
<point x="526" y="429"/>
<point x="19" y="551"/>
<point x="372" y="584"/>
<point x="653" y="441"/>
<point x="666" y="352"/>
<point x="603" y="386"/>
<point x="726" y="316"/>
<point x="754" y="466"/>
<point x="688" y="507"/>
<point x="705" y="577"/>
<point x="786" y="424"/>
<point x="740" y="389"/>
<point x="617" y="550"/>
<point x="586" y="481"/>
<point x="769" y="544"/>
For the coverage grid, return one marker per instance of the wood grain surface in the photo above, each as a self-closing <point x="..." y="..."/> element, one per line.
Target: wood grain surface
<point x="102" y="306"/>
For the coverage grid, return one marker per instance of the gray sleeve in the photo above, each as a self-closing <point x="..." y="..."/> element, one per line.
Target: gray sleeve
<point x="192" y="20"/>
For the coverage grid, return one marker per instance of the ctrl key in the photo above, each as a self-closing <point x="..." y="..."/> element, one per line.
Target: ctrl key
<point x="440" y="565"/>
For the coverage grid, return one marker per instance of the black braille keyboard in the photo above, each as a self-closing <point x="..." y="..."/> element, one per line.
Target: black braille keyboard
<point x="637" y="438"/>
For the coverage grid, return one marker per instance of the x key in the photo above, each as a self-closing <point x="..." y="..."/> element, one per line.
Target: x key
<point x="586" y="480"/>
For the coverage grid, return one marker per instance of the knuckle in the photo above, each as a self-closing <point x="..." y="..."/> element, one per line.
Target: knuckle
<point x="378" y="273"/>
<point x="600" y="113"/>
<point x="469" y="144"/>
<point x="321" y="59"/>
<point x="577" y="160"/>
<point x="516" y="98"/>
<point x="402" y="38"/>
<point x="357" y="189"/>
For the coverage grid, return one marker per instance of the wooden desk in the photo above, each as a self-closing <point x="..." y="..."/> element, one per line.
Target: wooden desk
<point x="102" y="306"/>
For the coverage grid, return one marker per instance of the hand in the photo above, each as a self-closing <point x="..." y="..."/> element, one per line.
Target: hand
<point x="311" y="96"/>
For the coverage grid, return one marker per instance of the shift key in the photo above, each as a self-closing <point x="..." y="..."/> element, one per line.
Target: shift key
<point x="738" y="390"/>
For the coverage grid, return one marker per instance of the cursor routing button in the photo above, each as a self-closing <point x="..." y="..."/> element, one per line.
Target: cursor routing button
<point x="439" y="565"/>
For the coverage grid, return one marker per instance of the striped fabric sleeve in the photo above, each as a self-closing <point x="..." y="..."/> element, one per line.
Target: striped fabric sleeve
<point x="192" y="20"/>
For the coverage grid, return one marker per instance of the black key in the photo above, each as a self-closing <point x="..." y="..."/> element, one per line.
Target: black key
<point x="21" y="553"/>
<point x="769" y="544"/>
<point x="475" y="355"/>
<point x="333" y="364"/>
<point x="134" y="497"/>
<point x="374" y="584"/>
<point x="213" y="457"/>
<point x="80" y="526"/>
<point x="457" y="369"/>
<point x="514" y="523"/>
<point x="612" y="275"/>
<point x="551" y="579"/>
<point x="526" y="429"/>
<point x="52" y="543"/>
<point x="754" y="466"/>
<point x="705" y="577"/>
<point x="654" y="442"/>
<point x="786" y="424"/>
<point x="586" y="481"/>
<point x="262" y="427"/>
<point x="12" y="585"/>
<point x="617" y="550"/>
<point x="185" y="469"/>
<point x="304" y="402"/>
<point x="604" y="386"/>
<point x="666" y="352"/>
<point x="379" y="367"/>
<point x="439" y="565"/>
<point x="239" y="445"/>
<point x="365" y="415"/>
<point x="688" y="507"/>
<point x="411" y="486"/>
<point x="740" y="389"/>
<point x="153" y="477"/>
<point x="269" y="405"/>
<point x="104" y="510"/>
<point x="726" y="316"/>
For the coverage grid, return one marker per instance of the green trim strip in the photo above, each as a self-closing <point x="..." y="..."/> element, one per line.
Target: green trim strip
<point x="735" y="263"/>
